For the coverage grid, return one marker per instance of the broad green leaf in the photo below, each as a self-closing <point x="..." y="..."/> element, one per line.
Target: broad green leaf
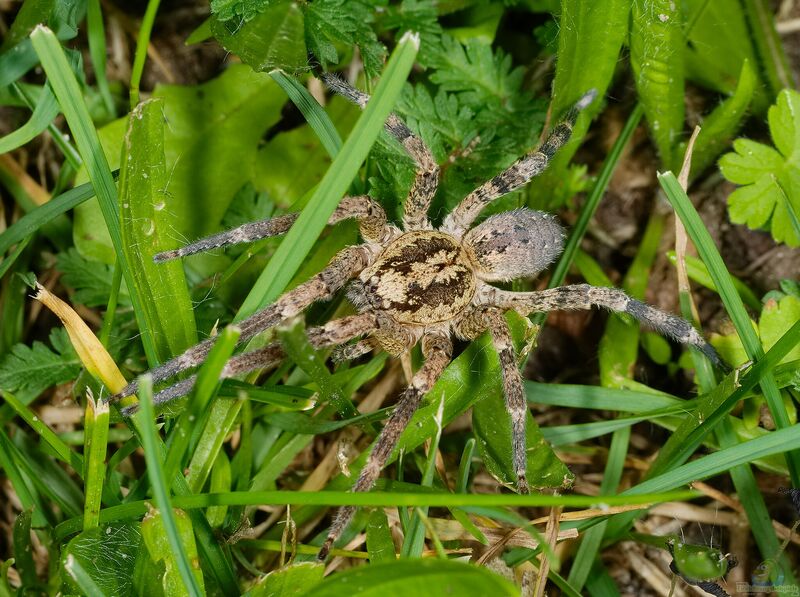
<point x="722" y="124"/>
<point x="108" y="555"/>
<point x="147" y="227"/>
<point x="718" y="45"/>
<point x="296" y="579"/>
<point x="412" y="578"/>
<point x="160" y="549"/>
<point x="273" y="39"/>
<point x="492" y="428"/>
<point x="771" y="195"/>
<point x="657" y="62"/>
<point x="379" y="538"/>
<point x="590" y="37"/>
<point x="211" y="140"/>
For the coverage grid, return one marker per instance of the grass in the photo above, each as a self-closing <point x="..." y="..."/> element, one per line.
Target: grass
<point x="236" y="480"/>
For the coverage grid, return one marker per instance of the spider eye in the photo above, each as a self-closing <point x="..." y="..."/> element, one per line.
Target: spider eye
<point x="515" y="244"/>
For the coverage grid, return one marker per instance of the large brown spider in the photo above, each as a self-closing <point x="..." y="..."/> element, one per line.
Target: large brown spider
<point x="417" y="284"/>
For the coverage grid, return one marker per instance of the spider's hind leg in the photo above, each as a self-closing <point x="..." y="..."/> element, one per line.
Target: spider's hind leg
<point x="585" y="296"/>
<point x="370" y="215"/>
<point x="437" y="350"/>
<point x="426" y="181"/>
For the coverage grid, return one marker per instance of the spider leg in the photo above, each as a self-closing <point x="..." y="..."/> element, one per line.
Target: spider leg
<point x="514" y="393"/>
<point x="344" y="266"/>
<point x="370" y="215"/>
<point x="585" y="296"/>
<point x="516" y="175"/>
<point x="332" y="333"/>
<point x="437" y="350"/>
<point x="348" y="352"/>
<point x="426" y="181"/>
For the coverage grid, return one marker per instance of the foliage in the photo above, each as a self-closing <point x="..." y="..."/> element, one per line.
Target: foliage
<point x="770" y="197"/>
<point x="171" y="504"/>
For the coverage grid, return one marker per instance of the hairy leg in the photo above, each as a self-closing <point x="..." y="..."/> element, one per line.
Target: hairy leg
<point x="516" y="175"/>
<point x="415" y="213"/>
<point x="344" y="266"/>
<point x="437" y="350"/>
<point x="585" y="296"/>
<point x="513" y="391"/>
<point x="332" y="333"/>
<point x="370" y="216"/>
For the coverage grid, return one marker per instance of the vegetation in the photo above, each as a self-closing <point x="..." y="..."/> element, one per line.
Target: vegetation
<point x="109" y="156"/>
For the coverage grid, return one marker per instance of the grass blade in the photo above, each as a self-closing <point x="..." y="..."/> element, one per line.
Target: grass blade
<point x="152" y="453"/>
<point x="733" y="304"/>
<point x="96" y="429"/>
<point x="69" y="96"/>
<point x="298" y="241"/>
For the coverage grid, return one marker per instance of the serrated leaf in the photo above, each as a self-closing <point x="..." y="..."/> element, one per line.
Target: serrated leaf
<point x="771" y="195"/>
<point x="348" y="22"/>
<point x="271" y="39"/>
<point x="28" y="371"/>
<point x="90" y="281"/>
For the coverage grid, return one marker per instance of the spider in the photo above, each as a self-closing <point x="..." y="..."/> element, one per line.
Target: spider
<point x="416" y="284"/>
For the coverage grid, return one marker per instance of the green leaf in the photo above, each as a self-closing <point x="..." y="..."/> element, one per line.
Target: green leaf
<point x="107" y="554"/>
<point x="91" y="282"/>
<point x="28" y="371"/>
<point x="23" y="549"/>
<point x="147" y="227"/>
<point x="492" y="428"/>
<point x="771" y="195"/>
<point x="210" y="144"/>
<point x="590" y="37"/>
<point x="411" y="578"/>
<point x="296" y="579"/>
<point x="657" y="61"/>
<point x="380" y="544"/>
<point x="271" y="39"/>
<point x="44" y="113"/>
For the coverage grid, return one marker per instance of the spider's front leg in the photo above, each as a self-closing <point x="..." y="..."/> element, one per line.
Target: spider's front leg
<point x="437" y="350"/>
<point x="370" y="215"/>
<point x="585" y="296"/>
<point x="426" y="181"/>
<point x="347" y="264"/>
<point x="516" y="175"/>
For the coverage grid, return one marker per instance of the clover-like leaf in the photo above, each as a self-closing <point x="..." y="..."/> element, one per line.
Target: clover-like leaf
<point x="770" y="195"/>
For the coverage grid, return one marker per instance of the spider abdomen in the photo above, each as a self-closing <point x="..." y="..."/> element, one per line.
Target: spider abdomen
<point x="423" y="277"/>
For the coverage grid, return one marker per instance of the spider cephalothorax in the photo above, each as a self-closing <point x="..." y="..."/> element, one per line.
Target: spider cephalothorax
<point x="419" y="285"/>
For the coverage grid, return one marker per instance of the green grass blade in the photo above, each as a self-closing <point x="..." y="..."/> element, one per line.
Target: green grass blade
<point x="152" y="452"/>
<point x="142" y="41"/>
<point x="316" y="117"/>
<point x="733" y="304"/>
<point x="34" y="220"/>
<point x="43" y="114"/>
<point x="27" y="497"/>
<point x="70" y="97"/>
<point x="298" y="241"/>
<point x="96" y="427"/>
<point x="96" y="35"/>
<point x="194" y="415"/>
<point x="47" y="435"/>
